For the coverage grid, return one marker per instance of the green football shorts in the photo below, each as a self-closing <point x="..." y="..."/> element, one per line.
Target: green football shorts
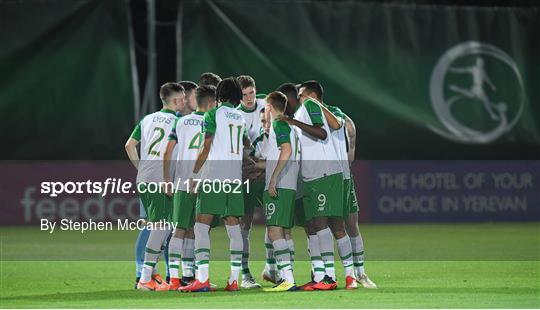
<point x="347" y="198"/>
<point x="279" y="211"/>
<point x="225" y="199"/>
<point x="253" y="198"/>
<point x="184" y="209"/>
<point x="158" y="206"/>
<point x="353" y="200"/>
<point x="323" y="197"/>
<point x="299" y="214"/>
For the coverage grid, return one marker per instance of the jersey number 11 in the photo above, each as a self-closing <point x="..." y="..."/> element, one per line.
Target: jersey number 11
<point x="239" y="130"/>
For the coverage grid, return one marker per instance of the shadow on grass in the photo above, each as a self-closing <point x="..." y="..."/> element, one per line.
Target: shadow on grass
<point x="133" y="295"/>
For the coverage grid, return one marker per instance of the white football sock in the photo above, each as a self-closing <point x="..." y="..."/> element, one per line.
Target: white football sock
<point x="236" y="249"/>
<point x="152" y="251"/>
<point x="175" y="255"/>
<point x="326" y="244"/>
<point x="245" y="254"/>
<point x="202" y="251"/>
<point x="270" y="266"/>
<point x="290" y="243"/>
<point x="283" y="258"/>
<point x="345" y="252"/>
<point x="188" y="258"/>
<point x="358" y="254"/>
<point x="317" y="264"/>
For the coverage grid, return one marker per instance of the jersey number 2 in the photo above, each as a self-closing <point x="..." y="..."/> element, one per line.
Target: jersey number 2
<point x="161" y="135"/>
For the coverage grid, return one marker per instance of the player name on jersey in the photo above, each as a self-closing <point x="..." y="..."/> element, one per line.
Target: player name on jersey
<point x="188" y="134"/>
<point x="152" y="132"/>
<point x="225" y="157"/>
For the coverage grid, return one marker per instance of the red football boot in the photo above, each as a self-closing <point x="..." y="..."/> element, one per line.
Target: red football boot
<point x="326" y="284"/>
<point x="174" y="284"/>
<point x="233" y="287"/>
<point x="350" y="283"/>
<point x="308" y="286"/>
<point x="196" y="286"/>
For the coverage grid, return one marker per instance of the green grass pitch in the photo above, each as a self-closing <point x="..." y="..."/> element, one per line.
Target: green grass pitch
<point x="415" y="266"/>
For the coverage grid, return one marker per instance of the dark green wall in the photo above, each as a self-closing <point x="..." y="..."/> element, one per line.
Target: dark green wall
<point x="66" y="90"/>
<point x="375" y="61"/>
<point x="65" y="79"/>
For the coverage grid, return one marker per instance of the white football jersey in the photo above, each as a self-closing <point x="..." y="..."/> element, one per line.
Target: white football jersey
<point x="253" y="118"/>
<point x="152" y="132"/>
<point x="189" y="137"/>
<point x="281" y="132"/>
<point x="319" y="157"/>
<point x="339" y="138"/>
<point x="225" y="158"/>
<point x="260" y="147"/>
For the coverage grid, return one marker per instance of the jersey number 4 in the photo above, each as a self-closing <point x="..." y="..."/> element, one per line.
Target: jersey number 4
<point x="196" y="141"/>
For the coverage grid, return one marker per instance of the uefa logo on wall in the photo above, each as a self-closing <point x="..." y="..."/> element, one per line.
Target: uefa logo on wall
<point x="477" y="93"/>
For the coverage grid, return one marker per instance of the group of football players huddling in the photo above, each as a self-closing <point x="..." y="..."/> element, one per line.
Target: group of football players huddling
<point x="227" y="150"/>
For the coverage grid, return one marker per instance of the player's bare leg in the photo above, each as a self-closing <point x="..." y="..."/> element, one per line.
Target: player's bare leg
<point x="357" y="245"/>
<point x="465" y="92"/>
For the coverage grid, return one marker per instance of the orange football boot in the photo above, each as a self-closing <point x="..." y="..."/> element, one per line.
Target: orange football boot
<point x="152" y="285"/>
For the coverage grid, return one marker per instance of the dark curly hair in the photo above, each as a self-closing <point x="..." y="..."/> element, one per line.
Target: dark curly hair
<point x="229" y="90"/>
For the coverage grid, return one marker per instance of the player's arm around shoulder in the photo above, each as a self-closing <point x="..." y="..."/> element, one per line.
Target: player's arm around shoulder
<point x="314" y="112"/>
<point x="334" y="121"/>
